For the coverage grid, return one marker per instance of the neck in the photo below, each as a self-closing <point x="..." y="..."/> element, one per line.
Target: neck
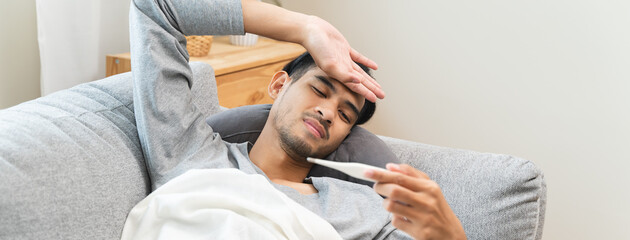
<point x="268" y="154"/>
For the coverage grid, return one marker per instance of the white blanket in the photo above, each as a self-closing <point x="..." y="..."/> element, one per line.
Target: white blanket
<point x="222" y="204"/>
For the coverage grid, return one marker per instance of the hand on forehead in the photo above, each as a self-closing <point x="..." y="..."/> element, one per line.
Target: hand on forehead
<point x="317" y="76"/>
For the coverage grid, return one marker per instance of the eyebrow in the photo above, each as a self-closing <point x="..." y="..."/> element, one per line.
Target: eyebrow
<point x="327" y="82"/>
<point x="354" y="108"/>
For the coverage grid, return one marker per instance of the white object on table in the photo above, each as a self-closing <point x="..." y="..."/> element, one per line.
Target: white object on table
<point x="248" y="39"/>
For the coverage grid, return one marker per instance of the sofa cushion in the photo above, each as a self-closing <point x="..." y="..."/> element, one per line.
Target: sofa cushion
<point x="495" y="196"/>
<point x="244" y="124"/>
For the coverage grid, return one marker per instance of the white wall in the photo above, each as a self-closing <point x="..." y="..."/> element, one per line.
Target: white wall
<point x="548" y="81"/>
<point x="19" y="53"/>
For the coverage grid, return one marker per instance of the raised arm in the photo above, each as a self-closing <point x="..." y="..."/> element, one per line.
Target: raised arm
<point x="329" y="48"/>
<point x="170" y="122"/>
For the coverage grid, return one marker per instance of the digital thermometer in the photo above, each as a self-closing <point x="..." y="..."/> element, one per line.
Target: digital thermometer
<point x="353" y="169"/>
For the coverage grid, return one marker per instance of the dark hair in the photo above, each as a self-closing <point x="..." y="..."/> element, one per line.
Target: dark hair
<point x="300" y="65"/>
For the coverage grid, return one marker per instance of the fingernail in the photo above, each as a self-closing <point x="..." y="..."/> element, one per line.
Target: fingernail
<point x="369" y="173"/>
<point x="393" y="166"/>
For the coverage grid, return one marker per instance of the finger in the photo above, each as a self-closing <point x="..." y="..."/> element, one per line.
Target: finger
<point x="412" y="183"/>
<point x="369" y="82"/>
<point x="347" y="75"/>
<point x="353" y="80"/>
<point x="402" y="223"/>
<point x="417" y="185"/>
<point x="365" y="75"/>
<point x="395" y="177"/>
<point x="339" y="68"/>
<point x="362" y="90"/>
<point x="358" y="57"/>
<point x="420" y="201"/>
<point x="378" y="92"/>
<point x="356" y="76"/>
<point x="407" y="170"/>
<point x="403" y="191"/>
<point x="398" y="208"/>
<point x="396" y="192"/>
<point x="402" y="216"/>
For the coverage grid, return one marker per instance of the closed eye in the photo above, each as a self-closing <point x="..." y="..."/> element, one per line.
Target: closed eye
<point x="320" y="93"/>
<point x="344" y="116"/>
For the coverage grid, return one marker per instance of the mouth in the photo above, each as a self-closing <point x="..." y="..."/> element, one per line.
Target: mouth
<point x="315" y="128"/>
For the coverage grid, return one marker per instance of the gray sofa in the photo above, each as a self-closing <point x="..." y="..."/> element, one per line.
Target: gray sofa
<point x="71" y="167"/>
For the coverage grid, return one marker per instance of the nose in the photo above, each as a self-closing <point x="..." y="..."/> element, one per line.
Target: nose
<point x="326" y="113"/>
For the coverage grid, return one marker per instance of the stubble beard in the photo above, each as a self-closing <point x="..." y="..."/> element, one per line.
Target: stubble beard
<point x="294" y="146"/>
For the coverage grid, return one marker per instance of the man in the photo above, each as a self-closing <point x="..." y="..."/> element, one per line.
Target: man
<point x="311" y="115"/>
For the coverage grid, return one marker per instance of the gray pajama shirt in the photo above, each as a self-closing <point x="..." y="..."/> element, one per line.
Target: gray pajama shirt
<point x="171" y="119"/>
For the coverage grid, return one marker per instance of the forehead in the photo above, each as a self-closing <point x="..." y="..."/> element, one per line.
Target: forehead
<point x="315" y="75"/>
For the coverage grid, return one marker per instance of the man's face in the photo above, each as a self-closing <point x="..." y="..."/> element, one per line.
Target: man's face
<point x="314" y="114"/>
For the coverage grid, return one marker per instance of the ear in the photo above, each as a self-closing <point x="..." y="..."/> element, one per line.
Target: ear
<point x="278" y="81"/>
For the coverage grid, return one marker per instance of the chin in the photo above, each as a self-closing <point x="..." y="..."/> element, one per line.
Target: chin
<point x="318" y="145"/>
<point x="294" y="145"/>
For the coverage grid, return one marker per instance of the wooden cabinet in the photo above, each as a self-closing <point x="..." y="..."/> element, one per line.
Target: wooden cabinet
<point x="242" y="73"/>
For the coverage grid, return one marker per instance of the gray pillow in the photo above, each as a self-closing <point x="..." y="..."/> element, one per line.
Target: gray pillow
<point x="244" y="124"/>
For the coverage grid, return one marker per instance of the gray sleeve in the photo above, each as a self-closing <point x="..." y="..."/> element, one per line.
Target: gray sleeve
<point x="170" y="125"/>
<point x="390" y="232"/>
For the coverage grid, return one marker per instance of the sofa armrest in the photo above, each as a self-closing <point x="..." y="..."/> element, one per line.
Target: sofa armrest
<point x="71" y="164"/>
<point x="495" y="196"/>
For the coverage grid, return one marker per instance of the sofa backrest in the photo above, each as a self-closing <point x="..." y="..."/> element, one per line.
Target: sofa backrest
<point x="495" y="196"/>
